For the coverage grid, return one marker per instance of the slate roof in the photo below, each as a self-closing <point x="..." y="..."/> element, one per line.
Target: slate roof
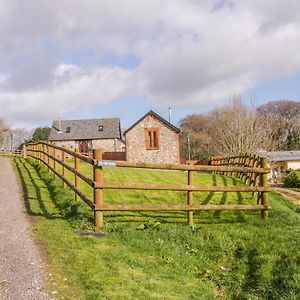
<point x="164" y="121"/>
<point x="283" y="155"/>
<point x="85" y="129"/>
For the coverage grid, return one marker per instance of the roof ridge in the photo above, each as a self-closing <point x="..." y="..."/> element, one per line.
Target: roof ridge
<point x="79" y="120"/>
<point x="173" y="127"/>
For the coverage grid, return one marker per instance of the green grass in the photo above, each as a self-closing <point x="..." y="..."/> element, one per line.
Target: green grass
<point x="227" y="255"/>
<point x="164" y="197"/>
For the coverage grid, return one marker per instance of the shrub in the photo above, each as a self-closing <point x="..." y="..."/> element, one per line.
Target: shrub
<point x="292" y="180"/>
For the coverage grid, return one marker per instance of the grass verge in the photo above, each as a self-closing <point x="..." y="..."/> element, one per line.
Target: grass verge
<point x="227" y="255"/>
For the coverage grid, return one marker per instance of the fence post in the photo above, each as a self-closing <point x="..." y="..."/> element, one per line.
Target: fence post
<point x="48" y="158"/>
<point x="43" y="154"/>
<point x="264" y="183"/>
<point x="39" y="151"/>
<point x="98" y="193"/>
<point x="252" y="178"/>
<point x="63" y="158"/>
<point x="190" y="198"/>
<point x="24" y="151"/>
<point x="54" y="162"/>
<point x="244" y="175"/>
<point x="241" y="165"/>
<point x="77" y="166"/>
<point x="34" y="153"/>
<point x="257" y="165"/>
<point x="230" y="164"/>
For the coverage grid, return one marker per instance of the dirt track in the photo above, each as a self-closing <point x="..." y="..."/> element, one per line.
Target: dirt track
<point x="21" y="264"/>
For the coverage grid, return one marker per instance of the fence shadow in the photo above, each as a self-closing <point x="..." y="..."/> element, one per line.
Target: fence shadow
<point x="223" y="200"/>
<point x="239" y="215"/>
<point x="253" y="276"/>
<point x="34" y="201"/>
<point x="210" y="194"/>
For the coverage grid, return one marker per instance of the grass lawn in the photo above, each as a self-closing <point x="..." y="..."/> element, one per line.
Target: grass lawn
<point x="227" y="255"/>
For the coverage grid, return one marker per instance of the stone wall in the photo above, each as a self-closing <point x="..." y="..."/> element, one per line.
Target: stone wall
<point x="108" y="145"/>
<point x="168" y="152"/>
<point x="67" y="144"/>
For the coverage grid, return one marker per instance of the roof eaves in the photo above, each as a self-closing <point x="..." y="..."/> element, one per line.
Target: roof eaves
<point x="151" y="112"/>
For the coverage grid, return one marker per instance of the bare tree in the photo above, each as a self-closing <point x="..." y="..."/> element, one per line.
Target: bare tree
<point x="19" y="136"/>
<point x="196" y="138"/>
<point x="237" y="129"/>
<point x="282" y="121"/>
<point x="13" y="138"/>
<point x="3" y="132"/>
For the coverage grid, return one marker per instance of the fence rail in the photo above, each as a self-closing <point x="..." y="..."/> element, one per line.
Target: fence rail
<point x="246" y="169"/>
<point x="243" y="160"/>
<point x="10" y="152"/>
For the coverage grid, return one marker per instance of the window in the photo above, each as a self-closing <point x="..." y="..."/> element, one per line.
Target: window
<point x="152" y="138"/>
<point x="68" y="129"/>
<point x="100" y="128"/>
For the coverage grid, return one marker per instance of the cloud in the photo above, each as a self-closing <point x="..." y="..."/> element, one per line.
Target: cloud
<point x="69" y="55"/>
<point x="229" y="53"/>
<point x="72" y="88"/>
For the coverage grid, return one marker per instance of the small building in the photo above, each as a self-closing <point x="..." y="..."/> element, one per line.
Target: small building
<point x="280" y="161"/>
<point x="86" y="135"/>
<point x="152" y="139"/>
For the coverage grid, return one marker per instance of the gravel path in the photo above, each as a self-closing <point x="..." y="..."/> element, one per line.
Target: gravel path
<point x="21" y="265"/>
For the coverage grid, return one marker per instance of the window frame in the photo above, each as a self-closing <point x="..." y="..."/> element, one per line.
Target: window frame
<point x="150" y="143"/>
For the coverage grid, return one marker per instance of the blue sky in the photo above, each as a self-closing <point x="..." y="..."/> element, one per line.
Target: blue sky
<point x="76" y="59"/>
<point x="280" y="88"/>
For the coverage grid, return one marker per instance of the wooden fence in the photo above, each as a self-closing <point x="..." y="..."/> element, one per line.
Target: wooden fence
<point x="10" y="152"/>
<point x="242" y="160"/>
<point x="52" y="155"/>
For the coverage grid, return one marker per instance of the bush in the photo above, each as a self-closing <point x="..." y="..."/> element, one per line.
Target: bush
<point x="292" y="180"/>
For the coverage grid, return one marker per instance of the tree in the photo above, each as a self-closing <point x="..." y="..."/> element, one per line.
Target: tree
<point x="3" y="131"/>
<point x="19" y="136"/>
<point x="237" y="129"/>
<point x="41" y="134"/>
<point x="196" y="139"/>
<point x="282" y="120"/>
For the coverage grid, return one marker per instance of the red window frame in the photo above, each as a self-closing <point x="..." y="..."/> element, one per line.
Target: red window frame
<point x="152" y="138"/>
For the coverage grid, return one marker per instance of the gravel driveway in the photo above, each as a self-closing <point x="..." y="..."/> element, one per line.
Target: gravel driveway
<point x="21" y="265"/>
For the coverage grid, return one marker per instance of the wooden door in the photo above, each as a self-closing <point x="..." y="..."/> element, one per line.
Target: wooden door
<point x="83" y="147"/>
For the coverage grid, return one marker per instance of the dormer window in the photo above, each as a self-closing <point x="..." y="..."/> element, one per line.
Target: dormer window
<point x="100" y="128"/>
<point x="68" y="129"/>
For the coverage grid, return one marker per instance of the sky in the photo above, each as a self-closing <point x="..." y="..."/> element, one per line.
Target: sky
<point x="81" y="59"/>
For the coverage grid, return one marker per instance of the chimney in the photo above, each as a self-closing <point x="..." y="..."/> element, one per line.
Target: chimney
<point x="170" y="114"/>
<point x="59" y="125"/>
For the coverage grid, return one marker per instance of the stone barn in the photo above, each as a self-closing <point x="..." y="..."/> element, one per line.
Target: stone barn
<point x="86" y="135"/>
<point x="152" y="139"/>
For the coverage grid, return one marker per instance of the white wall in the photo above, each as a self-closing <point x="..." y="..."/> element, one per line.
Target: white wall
<point x="293" y="165"/>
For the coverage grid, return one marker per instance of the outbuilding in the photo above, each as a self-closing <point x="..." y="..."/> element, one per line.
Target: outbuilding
<point x="280" y="161"/>
<point x="152" y="139"/>
<point x="86" y="135"/>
